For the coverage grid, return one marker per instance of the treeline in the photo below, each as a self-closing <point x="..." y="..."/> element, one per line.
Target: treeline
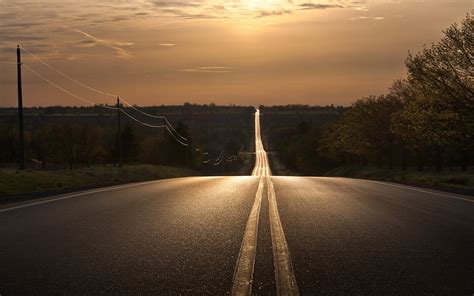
<point x="71" y="137"/>
<point x="426" y="119"/>
<point x="71" y="145"/>
<point x="185" y="108"/>
<point x="300" y="108"/>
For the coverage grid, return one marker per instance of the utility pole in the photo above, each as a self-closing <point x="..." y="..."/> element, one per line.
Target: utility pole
<point x="21" y="132"/>
<point x="119" y="133"/>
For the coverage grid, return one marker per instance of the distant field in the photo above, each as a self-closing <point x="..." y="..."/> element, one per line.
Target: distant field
<point x="15" y="185"/>
<point x="455" y="181"/>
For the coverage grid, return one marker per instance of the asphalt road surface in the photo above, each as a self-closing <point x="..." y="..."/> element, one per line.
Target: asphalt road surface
<point x="240" y="235"/>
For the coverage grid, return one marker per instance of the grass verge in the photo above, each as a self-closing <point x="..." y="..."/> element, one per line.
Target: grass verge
<point x="453" y="181"/>
<point x="17" y="185"/>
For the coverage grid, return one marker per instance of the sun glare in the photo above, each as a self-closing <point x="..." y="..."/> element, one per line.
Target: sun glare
<point x="245" y="9"/>
<point x="256" y="5"/>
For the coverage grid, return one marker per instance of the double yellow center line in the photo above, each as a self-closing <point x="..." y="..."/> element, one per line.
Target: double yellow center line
<point x="243" y="274"/>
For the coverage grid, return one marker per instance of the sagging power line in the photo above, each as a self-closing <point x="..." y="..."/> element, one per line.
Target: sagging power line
<point x="65" y="75"/>
<point x="65" y="90"/>
<point x="120" y="109"/>
<point x="167" y="122"/>
<point x="171" y="129"/>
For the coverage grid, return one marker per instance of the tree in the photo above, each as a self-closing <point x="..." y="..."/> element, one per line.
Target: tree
<point x="88" y="148"/>
<point x="365" y="130"/>
<point x="129" y="143"/>
<point x="442" y="113"/>
<point x="40" y="145"/>
<point x="8" y="142"/>
<point x="150" y="149"/>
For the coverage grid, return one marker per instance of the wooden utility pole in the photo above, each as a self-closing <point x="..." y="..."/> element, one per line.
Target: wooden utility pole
<point x="21" y="132"/>
<point x="119" y="132"/>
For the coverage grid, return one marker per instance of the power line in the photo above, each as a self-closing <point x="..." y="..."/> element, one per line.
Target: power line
<point x="141" y="122"/>
<point x="65" y="90"/>
<point x="140" y="111"/>
<point x="218" y="163"/>
<point x="219" y="159"/>
<point x="231" y="158"/>
<point x="171" y="129"/>
<point x="178" y="140"/>
<point x="104" y="106"/>
<point x="156" y="116"/>
<point x="155" y="126"/>
<point x="67" y="76"/>
<point x="5" y="62"/>
<point x="221" y="154"/>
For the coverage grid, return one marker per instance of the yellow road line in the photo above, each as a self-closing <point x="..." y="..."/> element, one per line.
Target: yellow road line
<point x="243" y="273"/>
<point x="284" y="274"/>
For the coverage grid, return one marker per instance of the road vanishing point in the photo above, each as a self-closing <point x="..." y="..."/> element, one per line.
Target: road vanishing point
<point x="259" y="235"/>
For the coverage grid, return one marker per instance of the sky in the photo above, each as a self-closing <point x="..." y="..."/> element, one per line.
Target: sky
<point x="243" y="52"/>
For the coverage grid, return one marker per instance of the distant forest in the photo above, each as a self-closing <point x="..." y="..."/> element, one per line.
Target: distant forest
<point x="69" y="137"/>
<point x="424" y="120"/>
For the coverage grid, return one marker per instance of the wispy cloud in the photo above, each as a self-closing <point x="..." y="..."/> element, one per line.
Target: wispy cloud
<point x="362" y="8"/>
<point x="208" y="69"/>
<point x="167" y="44"/>
<point x="375" y="18"/>
<point x="206" y="9"/>
<point x="93" y="41"/>
<point x="308" y="6"/>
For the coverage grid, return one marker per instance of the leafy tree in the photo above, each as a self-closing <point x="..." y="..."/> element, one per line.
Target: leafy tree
<point x="129" y="143"/>
<point x="441" y="113"/>
<point x="9" y="143"/>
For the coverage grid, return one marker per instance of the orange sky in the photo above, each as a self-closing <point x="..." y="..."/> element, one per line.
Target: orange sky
<point x="154" y="52"/>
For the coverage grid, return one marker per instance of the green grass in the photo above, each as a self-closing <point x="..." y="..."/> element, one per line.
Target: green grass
<point x="14" y="182"/>
<point x="455" y="180"/>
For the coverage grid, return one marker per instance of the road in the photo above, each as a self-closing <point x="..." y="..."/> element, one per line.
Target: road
<point x="257" y="234"/>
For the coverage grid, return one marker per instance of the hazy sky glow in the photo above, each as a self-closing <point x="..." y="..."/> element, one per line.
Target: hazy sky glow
<point x="253" y="52"/>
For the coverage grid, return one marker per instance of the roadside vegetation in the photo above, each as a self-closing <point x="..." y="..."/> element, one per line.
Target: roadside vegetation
<point x="424" y="123"/>
<point x="454" y="181"/>
<point x="73" y="137"/>
<point x="15" y="183"/>
<point x="77" y="147"/>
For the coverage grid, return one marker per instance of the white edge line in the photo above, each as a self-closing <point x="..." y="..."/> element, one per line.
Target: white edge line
<point x="78" y="194"/>
<point x="421" y="190"/>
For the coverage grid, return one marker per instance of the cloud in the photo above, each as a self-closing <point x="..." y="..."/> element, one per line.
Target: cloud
<point x="309" y="6"/>
<point x="376" y="18"/>
<point x="43" y="24"/>
<point x="176" y="4"/>
<point x="187" y="15"/>
<point x="265" y="13"/>
<point x="209" y="69"/>
<point x="93" y="41"/>
<point x="205" y="9"/>
<point x="6" y="36"/>
<point x="362" y="8"/>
